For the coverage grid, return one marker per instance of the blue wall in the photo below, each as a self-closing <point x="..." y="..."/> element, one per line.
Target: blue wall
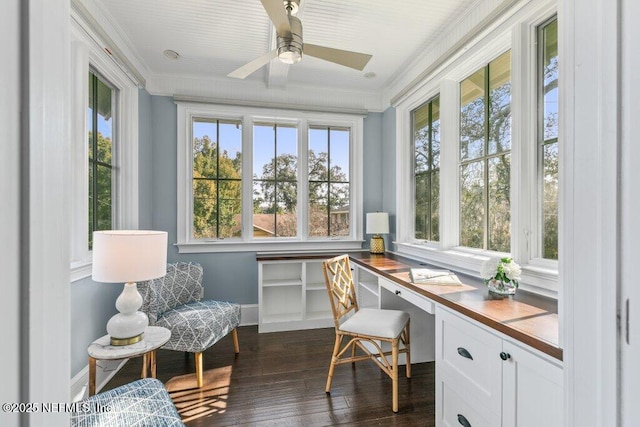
<point x="145" y="162"/>
<point x="92" y="305"/>
<point x="388" y="153"/>
<point x="372" y="170"/>
<point x="227" y="276"/>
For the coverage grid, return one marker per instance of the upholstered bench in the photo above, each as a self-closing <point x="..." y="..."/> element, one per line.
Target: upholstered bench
<point x="140" y="403"/>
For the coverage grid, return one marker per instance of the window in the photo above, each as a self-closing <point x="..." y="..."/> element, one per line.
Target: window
<point x="275" y="181"/>
<point x="548" y="136"/>
<point x="217" y="178"/>
<point x="100" y="148"/>
<point x="485" y="148"/>
<point x="259" y="179"/>
<point x="426" y="169"/>
<point x="104" y="140"/>
<point x="495" y="155"/>
<point x="329" y="213"/>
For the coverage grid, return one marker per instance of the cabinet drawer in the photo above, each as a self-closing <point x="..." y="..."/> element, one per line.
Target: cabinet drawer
<point x="410" y="296"/>
<point x="456" y="411"/>
<point x="468" y="358"/>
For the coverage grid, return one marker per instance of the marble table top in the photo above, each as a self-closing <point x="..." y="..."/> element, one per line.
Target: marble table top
<point x="152" y="338"/>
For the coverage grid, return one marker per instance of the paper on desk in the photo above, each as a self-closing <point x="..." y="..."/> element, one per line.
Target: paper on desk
<point x="433" y="277"/>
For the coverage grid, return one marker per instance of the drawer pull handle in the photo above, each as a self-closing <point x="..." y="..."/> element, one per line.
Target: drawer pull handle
<point x="397" y="292"/>
<point x="505" y="356"/>
<point x="464" y="353"/>
<point x="463" y="421"/>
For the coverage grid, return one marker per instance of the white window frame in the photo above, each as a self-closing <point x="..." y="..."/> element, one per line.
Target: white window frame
<point x="248" y="116"/>
<point x="86" y="53"/>
<point x="518" y="34"/>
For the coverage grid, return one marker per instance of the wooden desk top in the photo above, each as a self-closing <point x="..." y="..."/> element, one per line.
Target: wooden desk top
<point x="529" y="318"/>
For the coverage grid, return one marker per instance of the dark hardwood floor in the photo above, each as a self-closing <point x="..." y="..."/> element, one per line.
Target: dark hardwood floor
<point x="278" y="379"/>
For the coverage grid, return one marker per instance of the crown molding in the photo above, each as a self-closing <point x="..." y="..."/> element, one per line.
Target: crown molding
<point x="245" y="92"/>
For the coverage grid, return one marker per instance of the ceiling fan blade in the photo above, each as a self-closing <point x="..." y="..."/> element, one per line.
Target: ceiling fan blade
<point x="278" y="15"/>
<point x="253" y="66"/>
<point x="343" y="57"/>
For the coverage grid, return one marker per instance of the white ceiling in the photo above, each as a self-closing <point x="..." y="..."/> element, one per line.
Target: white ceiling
<point x="214" y="37"/>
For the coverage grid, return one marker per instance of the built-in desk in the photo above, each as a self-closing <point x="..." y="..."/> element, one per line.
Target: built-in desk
<point x="498" y="360"/>
<point x="529" y="318"/>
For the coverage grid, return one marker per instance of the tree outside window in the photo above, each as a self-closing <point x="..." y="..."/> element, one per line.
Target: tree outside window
<point x="275" y="181"/>
<point x="217" y="179"/>
<point x="100" y="124"/>
<point x="548" y="136"/>
<point x="485" y="147"/>
<point x="261" y="180"/>
<point x="329" y="182"/>
<point x="426" y="147"/>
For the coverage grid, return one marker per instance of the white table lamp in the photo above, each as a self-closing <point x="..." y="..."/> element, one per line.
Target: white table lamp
<point x="128" y="256"/>
<point x="377" y="224"/>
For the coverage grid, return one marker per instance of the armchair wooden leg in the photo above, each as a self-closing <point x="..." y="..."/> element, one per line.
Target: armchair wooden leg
<point x="236" y="346"/>
<point x="199" y="378"/>
<point x="394" y="374"/>
<point x="334" y="359"/>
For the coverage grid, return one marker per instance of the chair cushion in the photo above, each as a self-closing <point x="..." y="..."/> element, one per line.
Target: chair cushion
<point x="376" y="322"/>
<point x="198" y="325"/>
<point x="140" y="403"/>
<point x="181" y="285"/>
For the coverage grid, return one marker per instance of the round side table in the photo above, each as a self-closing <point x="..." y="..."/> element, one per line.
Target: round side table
<point x="153" y="338"/>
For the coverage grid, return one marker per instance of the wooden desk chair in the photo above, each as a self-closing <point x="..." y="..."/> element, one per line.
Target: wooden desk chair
<point x="366" y="329"/>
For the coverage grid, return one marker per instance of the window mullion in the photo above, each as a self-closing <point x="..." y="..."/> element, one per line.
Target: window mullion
<point x="487" y="123"/>
<point x="216" y="179"/>
<point x="275" y="180"/>
<point x="303" y="180"/>
<point x="449" y="164"/>
<point x="430" y="169"/>
<point x="329" y="181"/>
<point x="247" y="178"/>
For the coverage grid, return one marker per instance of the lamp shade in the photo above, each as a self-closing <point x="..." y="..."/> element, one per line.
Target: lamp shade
<point x="121" y="256"/>
<point x="377" y="223"/>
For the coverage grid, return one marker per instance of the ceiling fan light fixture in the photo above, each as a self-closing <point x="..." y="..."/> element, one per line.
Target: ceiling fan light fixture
<point x="290" y="48"/>
<point x="289" y="54"/>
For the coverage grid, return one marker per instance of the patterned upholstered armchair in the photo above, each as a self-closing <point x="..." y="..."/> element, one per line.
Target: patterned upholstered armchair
<point x="175" y="302"/>
<point x="140" y="403"/>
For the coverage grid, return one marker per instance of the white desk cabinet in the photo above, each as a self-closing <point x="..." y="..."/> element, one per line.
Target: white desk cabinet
<point x="485" y="379"/>
<point x="292" y="295"/>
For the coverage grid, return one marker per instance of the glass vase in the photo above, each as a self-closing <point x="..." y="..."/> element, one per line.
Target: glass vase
<point x="500" y="287"/>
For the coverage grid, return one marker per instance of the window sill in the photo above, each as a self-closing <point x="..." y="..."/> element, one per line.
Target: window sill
<point x="267" y="246"/>
<point x="81" y="270"/>
<point x="540" y="280"/>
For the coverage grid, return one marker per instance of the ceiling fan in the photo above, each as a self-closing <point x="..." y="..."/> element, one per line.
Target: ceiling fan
<point x="290" y="46"/>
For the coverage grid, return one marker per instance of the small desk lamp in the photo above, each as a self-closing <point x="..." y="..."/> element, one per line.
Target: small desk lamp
<point x="377" y="224"/>
<point x="128" y="256"/>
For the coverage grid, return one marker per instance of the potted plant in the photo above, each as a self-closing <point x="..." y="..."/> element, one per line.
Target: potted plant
<point x="501" y="275"/>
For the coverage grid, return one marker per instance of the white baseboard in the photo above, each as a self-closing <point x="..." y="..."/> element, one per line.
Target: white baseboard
<point x="106" y="369"/>
<point x="248" y="314"/>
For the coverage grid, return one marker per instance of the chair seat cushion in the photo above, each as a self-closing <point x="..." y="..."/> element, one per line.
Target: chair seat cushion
<point x="140" y="403"/>
<point x="376" y="322"/>
<point x="198" y="325"/>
